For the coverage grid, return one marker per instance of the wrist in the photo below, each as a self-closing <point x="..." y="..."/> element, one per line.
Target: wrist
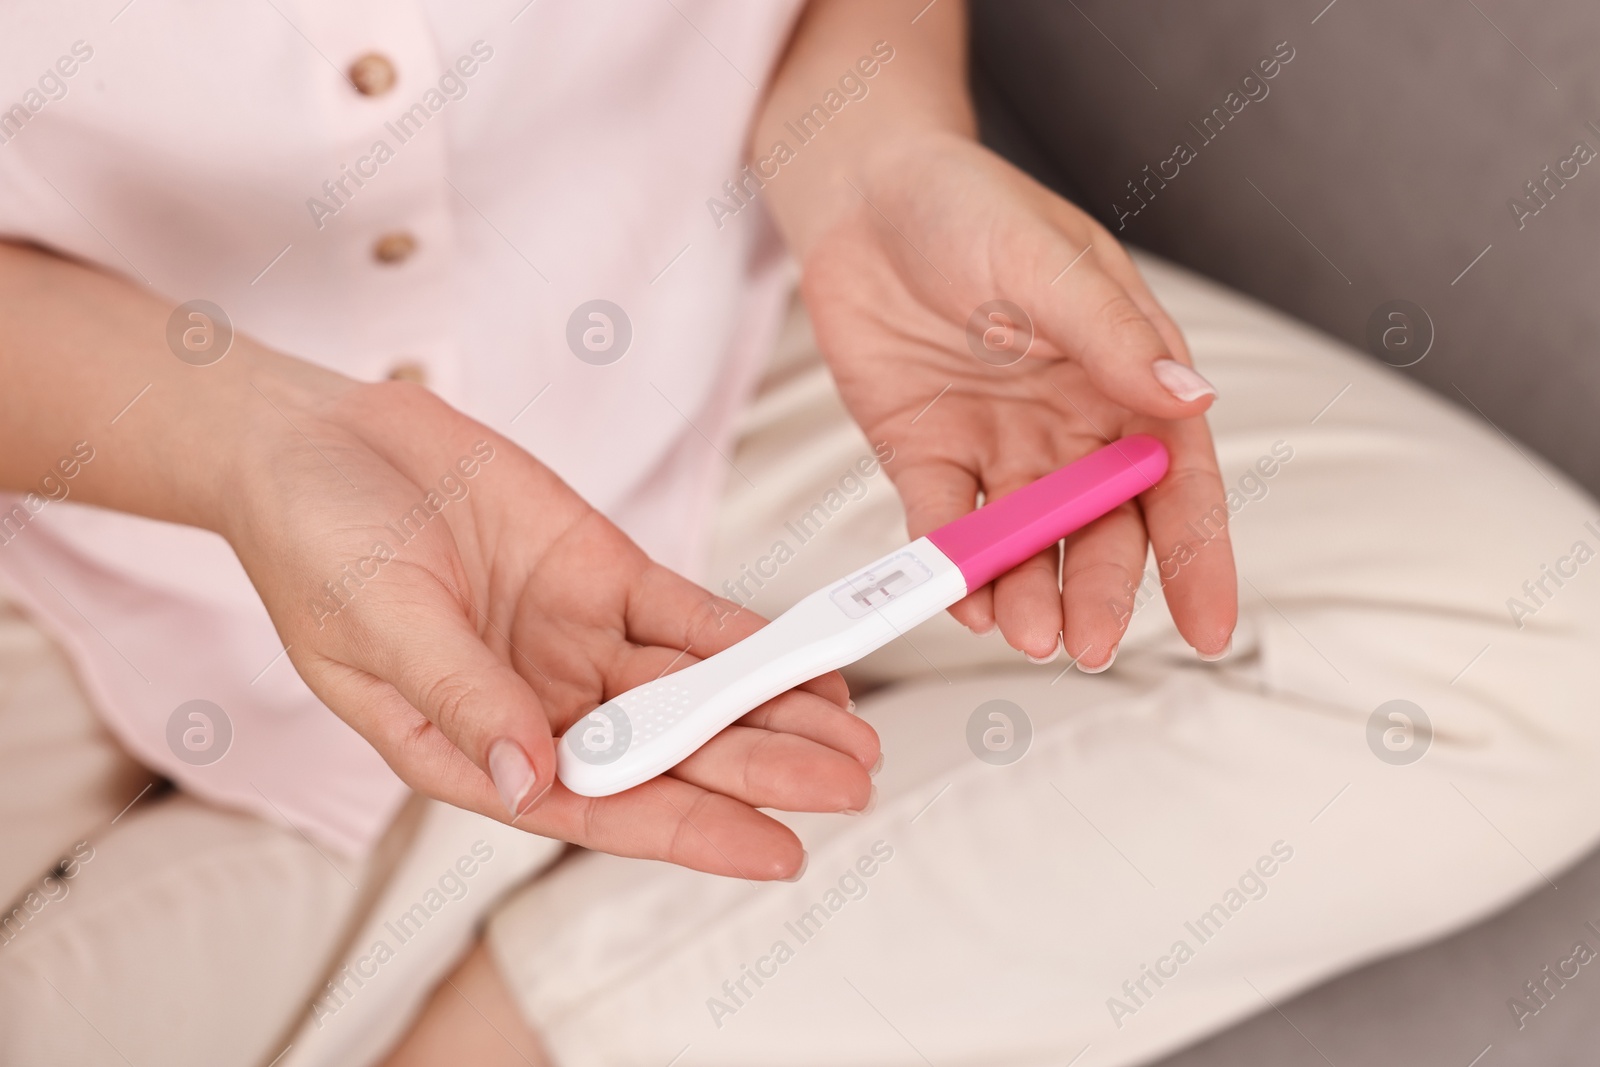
<point x="269" y="407"/>
<point x="857" y="79"/>
<point x="866" y="182"/>
<point x="855" y="183"/>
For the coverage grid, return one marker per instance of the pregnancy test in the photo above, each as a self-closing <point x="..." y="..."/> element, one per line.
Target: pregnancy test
<point x="653" y="727"/>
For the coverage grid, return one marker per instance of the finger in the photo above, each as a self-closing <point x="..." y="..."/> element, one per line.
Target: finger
<point x="1101" y="571"/>
<point x="1120" y="265"/>
<point x="975" y="611"/>
<point x="766" y="769"/>
<point x="798" y="751"/>
<point x="820" y="720"/>
<point x="801" y="710"/>
<point x="663" y="819"/>
<point x="936" y="492"/>
<point x="423" y="643"/>
<point x="426" y="760"/>
<point x="1091" y="318"/>
<point x="1027" y="598"/>
<point x="666" y="609"/>
<point x="1187" y="517"/>
<point x="830" y="687"/>
<point x="676" y="821"/>
<point x="1027" y="605"/>
<point x="1114" y="259"/>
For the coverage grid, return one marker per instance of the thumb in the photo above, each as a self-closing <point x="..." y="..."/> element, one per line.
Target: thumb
<point x="434" y="657"/>
<point x="1092" y="319"/>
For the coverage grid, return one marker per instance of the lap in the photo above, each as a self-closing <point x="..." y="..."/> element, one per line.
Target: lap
<point x="145" y="925"/>
<point x="1021" y="911"/>
<point x="140" y="922"/>
<point x="186" y="935"/>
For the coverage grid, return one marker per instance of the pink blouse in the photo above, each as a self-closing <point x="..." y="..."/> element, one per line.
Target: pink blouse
<point x="440" y="190"/>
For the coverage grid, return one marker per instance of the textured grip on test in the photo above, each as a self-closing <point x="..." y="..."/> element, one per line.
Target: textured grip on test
<point x="1004" y="532"/>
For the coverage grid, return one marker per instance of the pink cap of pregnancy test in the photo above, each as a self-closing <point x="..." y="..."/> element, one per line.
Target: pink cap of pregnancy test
<point x="1004" y="532"/>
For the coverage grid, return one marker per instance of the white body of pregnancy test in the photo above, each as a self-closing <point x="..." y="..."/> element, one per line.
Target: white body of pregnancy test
<point x="651" y="728"/>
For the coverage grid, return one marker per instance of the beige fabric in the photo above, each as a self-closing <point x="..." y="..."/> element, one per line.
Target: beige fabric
<point x="175" y="933"/>
<point x="62" y="777"/>
<point x="1032" y="913"/>
<point x="458" y="866"/>
<point x="179" y="933"/>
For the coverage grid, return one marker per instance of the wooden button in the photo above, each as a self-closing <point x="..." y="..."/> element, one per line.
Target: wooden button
<point x="394" y="247"/>
<point x="409" y="371"/>
<point x="372" y="74"/>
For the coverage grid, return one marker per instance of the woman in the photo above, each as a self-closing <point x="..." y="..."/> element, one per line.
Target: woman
<point x="456" y="316"/>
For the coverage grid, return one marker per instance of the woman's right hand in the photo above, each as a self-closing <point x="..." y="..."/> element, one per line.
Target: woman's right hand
<point x="460" y="631"/>
<point x="496" y="624"/>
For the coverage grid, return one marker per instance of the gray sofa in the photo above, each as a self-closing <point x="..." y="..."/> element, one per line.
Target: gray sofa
<point x="1409" y="181"/>
<point x="1383" y="158"/>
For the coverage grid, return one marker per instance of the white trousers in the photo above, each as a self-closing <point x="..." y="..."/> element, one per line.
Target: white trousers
<point x="1112" y="867"/>
<point x="1180" y="844"/>
<point x="140" y="925"/>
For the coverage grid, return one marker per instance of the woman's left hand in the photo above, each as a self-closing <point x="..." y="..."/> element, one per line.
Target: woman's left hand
<point x="979" y="399"/>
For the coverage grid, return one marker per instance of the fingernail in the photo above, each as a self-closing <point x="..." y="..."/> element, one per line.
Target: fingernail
<point x="1051" y="657"/>
<point x="1181" y="381"/>
<point x="512" y="774"/>
<point x="985" y="633"/>
<point x="1103" y="666"/>
<point x="805" y="861"/>
<point x="1217" y="655"/>
<point x="851" y="707"/>
<point x="872" y="802"/>
<point x="876" y="767"/>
